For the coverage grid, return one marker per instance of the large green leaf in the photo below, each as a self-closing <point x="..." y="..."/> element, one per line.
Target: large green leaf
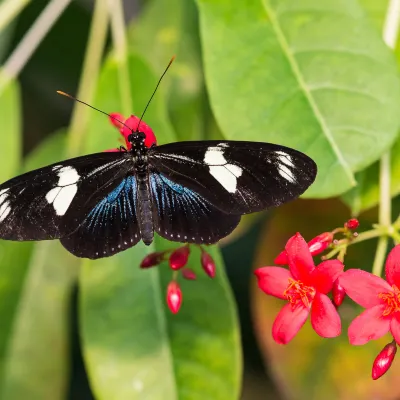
<point x="134" y="347"/>
<point x="37" y="280"/>
<point x="366" y="194"/>
<point x="312" y="75"/>
<point x="10" y="117"/>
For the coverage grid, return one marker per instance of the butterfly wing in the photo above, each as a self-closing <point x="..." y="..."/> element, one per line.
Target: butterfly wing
<point x="182" y="215"/>
<point x="236" y="177"/>
<point x="109" y="226"/>
<point x="51" y="202"/>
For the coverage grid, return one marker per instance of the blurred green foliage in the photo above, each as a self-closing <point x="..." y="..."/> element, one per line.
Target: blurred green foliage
<point x="314" y="75"/>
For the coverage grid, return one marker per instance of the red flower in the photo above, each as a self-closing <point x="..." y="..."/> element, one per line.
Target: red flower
<point x="174" y="297"/>
<point x="179" y="257"/>
<point x="207" y="264"/>
<point x="132" y="124"/>
<point x="380" y="298"/>
<point x="316" y="246"/>
<point x="383" y="360"/>
<point x="305" y="287"/>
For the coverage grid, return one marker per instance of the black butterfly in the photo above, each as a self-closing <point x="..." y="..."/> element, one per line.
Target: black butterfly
<point x="193" y="192"/>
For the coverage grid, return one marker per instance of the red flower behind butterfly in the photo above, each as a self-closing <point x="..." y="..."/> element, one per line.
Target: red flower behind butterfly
<point x="380" y="298"/>
<point x="126" y="126"/>
<point x="305" y="287"/>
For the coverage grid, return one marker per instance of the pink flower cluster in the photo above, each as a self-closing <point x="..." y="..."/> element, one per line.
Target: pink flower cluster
<point x="305" y="287"/>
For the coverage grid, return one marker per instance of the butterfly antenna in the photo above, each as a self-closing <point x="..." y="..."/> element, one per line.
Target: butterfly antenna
<point x="154" y="92"/>
<point x="94" y="108"/>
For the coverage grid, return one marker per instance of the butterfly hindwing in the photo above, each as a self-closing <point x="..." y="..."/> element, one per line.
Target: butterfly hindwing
<point x="47" y="203"/>
<point x="109" y="226"/>
<point x="183" y="215"/>
<point x="236" y="177"/>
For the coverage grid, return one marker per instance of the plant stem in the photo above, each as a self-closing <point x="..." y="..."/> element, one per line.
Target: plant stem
<point x="90" y="73"/>
<point x="9" y="9"/>
<point x="121" y="54"/>
<point x="390" y="33"/>
<point x="22" y="53"/>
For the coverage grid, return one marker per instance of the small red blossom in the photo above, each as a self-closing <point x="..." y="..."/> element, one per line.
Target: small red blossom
<point x="174" y="297"/>
<point x="179" y="257"/>
<point x="207" y="264"/>
<point x="380" y="298"/>
<point x="153" y="259"/>
<point x="131" y="124"/>
<point x="352" y="224"/>
<point x="305" y="288"/>
<point x="316" y="246"/>
<point x="188" y="274"/>
<point x="338" y="293"/>
<point x="384" y="360"/>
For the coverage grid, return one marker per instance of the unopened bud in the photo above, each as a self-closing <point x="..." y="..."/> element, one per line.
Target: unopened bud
<point x="152" y="259"/>
<point x="208" y="264"/>
<point x="384" y="360"/>
<point x="338" y="293"/>
<point x="189" y="274"/>
<point x="320" y="243"/>
<point x="179" y="258"/>
<point x="174" y="297"/>
<point x="352" y="224"/>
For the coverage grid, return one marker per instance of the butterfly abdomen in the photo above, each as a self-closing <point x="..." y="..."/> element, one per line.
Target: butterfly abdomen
<point x="145" y="210"/>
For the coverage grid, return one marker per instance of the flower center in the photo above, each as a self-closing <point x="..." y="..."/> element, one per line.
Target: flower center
<point x="392" y="300"/>
<point x="297" y="291"/>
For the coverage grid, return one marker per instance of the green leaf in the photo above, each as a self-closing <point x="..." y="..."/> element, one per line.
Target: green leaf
<point x="171" y="27"/>
<point x="312" y="75"/>
<point x="37" y="279"/>
<point x="133" y="347"/>
<point x="10" y="117"/>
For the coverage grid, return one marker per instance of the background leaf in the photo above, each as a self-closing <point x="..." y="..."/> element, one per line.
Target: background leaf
<point x="133" y="346"/>
<point x="295" y="73"/>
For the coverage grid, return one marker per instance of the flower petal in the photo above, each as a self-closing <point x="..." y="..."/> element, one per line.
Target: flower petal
<point x="395" y="327"/>
<point x="301" y="263"/>
<point x="281" y="258"/>
<point x="116" y="119"/>
<point x="325" y="274"/>
<point x="369" y="325"/>
<point x="132" y="124"/>
<point x="363" y="287"/>
<point x="288" y="323"/>
<point x="324" y="318"/>
<point x="392" y="268"/>
<point x="273" y="280"/>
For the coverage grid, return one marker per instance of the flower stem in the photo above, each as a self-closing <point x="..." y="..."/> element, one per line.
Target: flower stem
<point x="9" y="9"/>
<point x="22" y="53"/>
<point x="90" y="72"/>
<point x="390" y="33"/>
<point x="121" y="54"/>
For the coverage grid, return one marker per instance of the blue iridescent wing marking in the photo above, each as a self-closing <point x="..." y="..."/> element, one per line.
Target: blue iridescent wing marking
<point x="182" y="215"/>
<point x="111" y="225"/>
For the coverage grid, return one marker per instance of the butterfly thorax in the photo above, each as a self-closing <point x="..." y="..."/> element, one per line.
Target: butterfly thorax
<point x="145" y="207"/>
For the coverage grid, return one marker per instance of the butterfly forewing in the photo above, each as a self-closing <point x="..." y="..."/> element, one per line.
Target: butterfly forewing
<point x="236" y="177"/>
<point x="182" y="215"/>
<point x="51" y="202"/>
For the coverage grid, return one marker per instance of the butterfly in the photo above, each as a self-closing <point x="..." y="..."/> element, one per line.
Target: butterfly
<point x="193" y="192"/>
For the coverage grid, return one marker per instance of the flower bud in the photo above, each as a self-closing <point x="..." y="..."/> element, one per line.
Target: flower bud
<point x="384" y="360"/>
<point x="338" y="293"/>
<point x="316" y="245"/>
<point x="320" y="243"/>
<point x="352" y="224"/>
<point x="179" y="258"/>
<point x="208" y="264"/>
<point x="189" y="274"/>
<point x="152" y="259"/>
<point x="174" y="297"/>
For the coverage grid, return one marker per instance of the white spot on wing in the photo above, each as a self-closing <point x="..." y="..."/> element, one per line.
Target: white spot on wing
<point x="62" y="195"/>
<point x="4" y="210"/>
<point x="237" y="171"/>
<point x="214" y="156"/>
<point x="64" y="198"/>
<point x="3" y="197"/>
<point x="285" y="158"/>
<point x="4" y="191"/>
<point x="286" y="173"/>
<point x="67" y="176"/>
<point x="224" y="177"/>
